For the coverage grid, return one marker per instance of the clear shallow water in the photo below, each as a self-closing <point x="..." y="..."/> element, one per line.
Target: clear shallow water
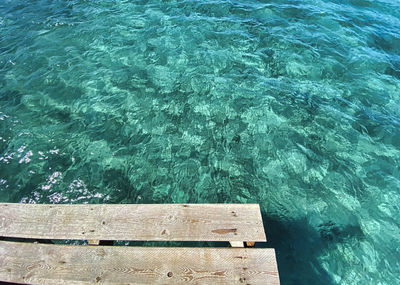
<point x="291" y="104"/>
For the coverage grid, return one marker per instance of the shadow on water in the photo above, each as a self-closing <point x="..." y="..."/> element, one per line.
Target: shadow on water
<point x="298" y="246"/>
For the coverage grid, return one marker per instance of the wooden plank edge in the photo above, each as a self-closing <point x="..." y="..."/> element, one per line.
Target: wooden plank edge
<point x="52" y="249"/>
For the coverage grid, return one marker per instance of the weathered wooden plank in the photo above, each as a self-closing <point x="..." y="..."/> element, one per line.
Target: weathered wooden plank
<point x="65" y="264"/>
<point x="166" y="222"/>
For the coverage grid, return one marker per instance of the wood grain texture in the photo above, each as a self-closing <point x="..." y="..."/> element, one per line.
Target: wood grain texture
<point x="66" y="264"/>
<point x="166" y="222"/>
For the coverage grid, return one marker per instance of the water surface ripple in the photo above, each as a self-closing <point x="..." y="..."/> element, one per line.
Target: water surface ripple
<point x="291" y="104"/>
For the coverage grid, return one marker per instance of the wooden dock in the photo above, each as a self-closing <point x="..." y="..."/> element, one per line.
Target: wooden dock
<point x="39" y="263"/>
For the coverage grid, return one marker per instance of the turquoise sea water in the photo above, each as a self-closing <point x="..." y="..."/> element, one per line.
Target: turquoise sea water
<point x="291" y="104"/>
